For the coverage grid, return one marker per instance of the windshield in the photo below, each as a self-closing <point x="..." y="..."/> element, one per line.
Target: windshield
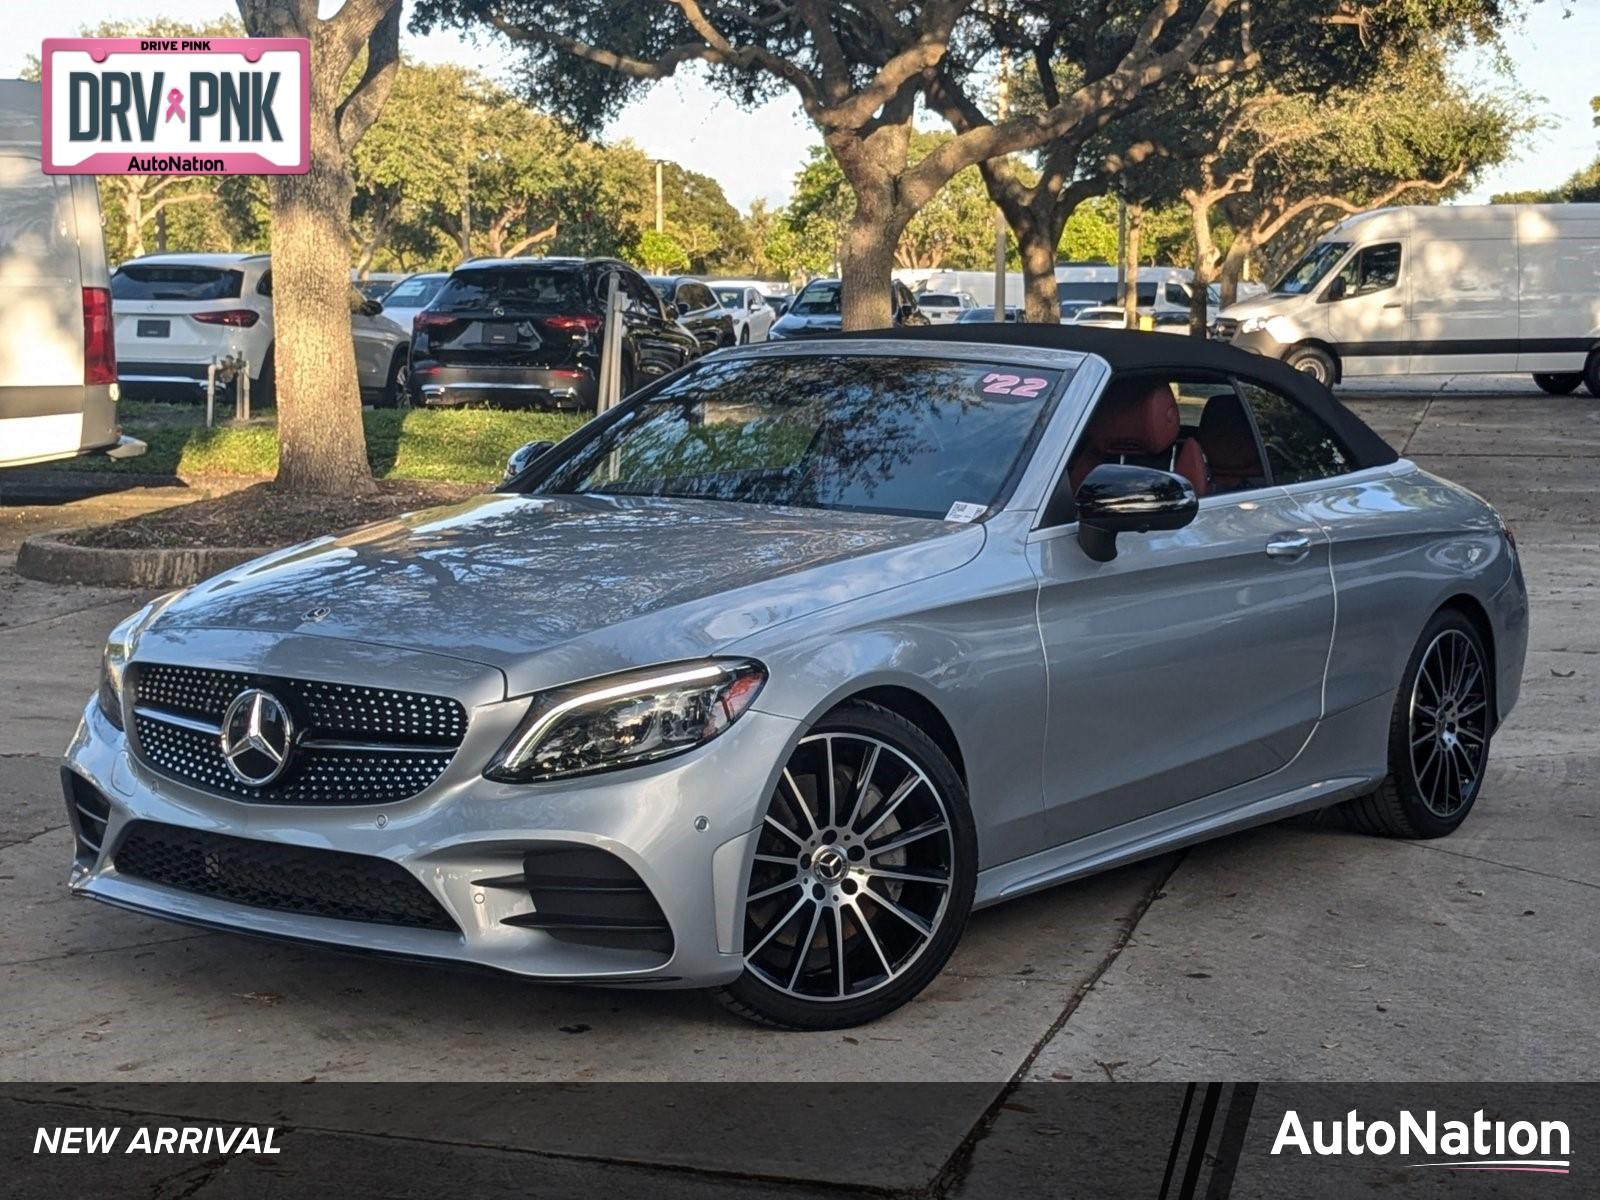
<point x="1308" y="272"/>
<point x="892" y="434"/>
<point x="819" y="299"/>
<point x="539" y="289"/>
<point x="415" y="292"/>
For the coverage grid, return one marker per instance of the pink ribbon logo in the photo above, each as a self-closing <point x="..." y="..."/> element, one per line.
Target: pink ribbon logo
<point x="175" y="105"/>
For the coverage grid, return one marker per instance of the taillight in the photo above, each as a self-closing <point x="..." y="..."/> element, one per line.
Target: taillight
<point x="578" y="322"/>
<point x="99" y="345"/>
<point x="428" y="320"/>
<point x="237" y="318"/>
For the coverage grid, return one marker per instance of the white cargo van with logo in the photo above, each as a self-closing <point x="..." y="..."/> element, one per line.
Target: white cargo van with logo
<point x="1485" y="289"/>
<point x="58" y="366"/>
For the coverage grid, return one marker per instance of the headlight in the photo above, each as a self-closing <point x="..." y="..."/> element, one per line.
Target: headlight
<point x="1253" y="324"/>
<point x="625" y="720"/>
<point x="119" y="649"/>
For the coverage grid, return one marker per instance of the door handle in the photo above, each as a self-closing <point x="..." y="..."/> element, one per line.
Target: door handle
<point x="1288" y="546"/>
<point x="1395" y="304"/>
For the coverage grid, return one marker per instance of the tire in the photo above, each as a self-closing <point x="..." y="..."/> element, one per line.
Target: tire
<point x="894" y="940"/>
<point x="1559" y="385"/>
<point x="397" y="391"/>
<point x="744" y="336"/>
<point x="1591" y="373"/>
<point x="1315" y="362"/>
<point x="1421" y="798"/>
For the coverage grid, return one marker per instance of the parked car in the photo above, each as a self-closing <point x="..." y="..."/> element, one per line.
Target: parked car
<point x="1071" y="308"/>
<point x="58" y="361"/>
<point x="977" y="316"/>
<point x="1101" y="316"/>
<point x="695" y="306"/>
<point x="816" y="310"/>
<point x="744" y="685"/>
<point x="1457" y="289"/>
<point x="779" y="304"/>
<point x="528" y="332"/>
<point x="377" y="284"/>
<point x="946" y="308"/>
<point x="177" y="313"/>
<point x="752" y="315"/>
<point x="411" y="295"/>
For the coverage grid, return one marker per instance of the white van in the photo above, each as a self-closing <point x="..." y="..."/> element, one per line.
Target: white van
<point x="58" y="363"/>
<point x="1486" y="289"/>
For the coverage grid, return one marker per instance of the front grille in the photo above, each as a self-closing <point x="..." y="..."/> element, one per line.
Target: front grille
<point x="354" y="745"/>
<point x="1225" y="329"/>
<point x="589" y="897"/>
<point x="294" y="879"/>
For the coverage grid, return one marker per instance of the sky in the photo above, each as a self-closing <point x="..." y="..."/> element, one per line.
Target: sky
<point x="755" y="154"/>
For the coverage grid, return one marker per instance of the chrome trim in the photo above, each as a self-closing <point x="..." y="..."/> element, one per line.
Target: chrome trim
<point x="192" y="724"/>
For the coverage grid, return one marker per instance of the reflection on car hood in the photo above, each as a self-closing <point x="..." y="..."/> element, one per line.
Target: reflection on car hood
<point x="796" y="325"/>
<point x="554" y="588"/>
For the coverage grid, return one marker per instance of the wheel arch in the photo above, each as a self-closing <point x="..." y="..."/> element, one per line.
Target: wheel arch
<point x="1313" y="343"/>
<point x="919" y="710"/>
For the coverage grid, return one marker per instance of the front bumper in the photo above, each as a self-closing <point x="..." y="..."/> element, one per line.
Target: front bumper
<point x="562" y="389"/>
<point x="1257" y="341"/>
<point x="463" y="838"/>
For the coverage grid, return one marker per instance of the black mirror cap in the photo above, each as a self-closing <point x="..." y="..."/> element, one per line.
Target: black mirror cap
<point x="1119" y="498"/>
<point x="523" y="456"/>
<point x="1336" y="290"/>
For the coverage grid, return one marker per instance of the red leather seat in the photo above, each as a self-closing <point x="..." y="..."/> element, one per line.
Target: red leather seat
<point x="1137" y="422"/>
<point x="1229" y="442"/>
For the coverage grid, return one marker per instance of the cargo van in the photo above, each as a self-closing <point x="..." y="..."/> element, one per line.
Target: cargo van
<point x="58" y="363"/>
<point x="1484" y="289"/>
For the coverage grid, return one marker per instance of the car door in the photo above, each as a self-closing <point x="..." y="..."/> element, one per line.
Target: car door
<point x="1190" y="664"/>
<point x="1365" y="304"/>
<point x="759" y="316"/>
<point x="373" y="343"/>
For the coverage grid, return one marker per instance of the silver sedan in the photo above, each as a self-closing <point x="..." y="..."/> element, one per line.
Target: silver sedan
<point x="765" y="680"/>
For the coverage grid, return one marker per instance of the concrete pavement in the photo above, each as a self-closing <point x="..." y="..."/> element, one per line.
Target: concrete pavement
<point x="1296" y="951"/>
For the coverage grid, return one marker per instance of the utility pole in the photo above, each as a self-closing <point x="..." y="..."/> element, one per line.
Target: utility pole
<point x="661" y="220"/>
<point x="1002" y="102"/>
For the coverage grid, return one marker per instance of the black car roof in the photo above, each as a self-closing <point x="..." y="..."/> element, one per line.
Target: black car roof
<point x="1130" y="351"/>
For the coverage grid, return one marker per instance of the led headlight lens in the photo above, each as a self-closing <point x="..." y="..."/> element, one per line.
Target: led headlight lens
<point x="1253" y="324"/>
<point x="624" y="720"/>
<point x="119" y="649"/>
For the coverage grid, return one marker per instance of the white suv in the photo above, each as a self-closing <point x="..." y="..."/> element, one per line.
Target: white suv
<point x="177" y="313"/>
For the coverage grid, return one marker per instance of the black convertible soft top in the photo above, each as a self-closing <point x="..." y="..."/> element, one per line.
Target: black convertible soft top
<point x="1128" y="351"/>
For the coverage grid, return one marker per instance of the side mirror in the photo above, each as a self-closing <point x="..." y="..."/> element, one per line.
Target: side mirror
<point x="673" y="311"/>
<point x="1337" y="290"/>
<point x="781" y="307"/>
<point x="905" y="312"/>
<point x="1116" y="498"/>
<point x="524" y="455"/>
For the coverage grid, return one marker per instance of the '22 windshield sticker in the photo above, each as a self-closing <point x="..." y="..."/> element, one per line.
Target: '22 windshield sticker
<point x="996" y="383"/>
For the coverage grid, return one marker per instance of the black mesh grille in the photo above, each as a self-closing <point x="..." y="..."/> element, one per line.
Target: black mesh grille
<point x="387" y="745"/>
<point x="318" y="883"/>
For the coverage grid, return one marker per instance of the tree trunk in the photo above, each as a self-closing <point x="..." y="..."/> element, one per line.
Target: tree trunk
<point x="1130" y="263"/>
<point x="1036" y="243"/>
<point x="321" y="443"/>
<point x="1228" y="284"/>
<point x="1205" y="259"/>
<point x="866" y="262"/>
<point x="133" y="221"/>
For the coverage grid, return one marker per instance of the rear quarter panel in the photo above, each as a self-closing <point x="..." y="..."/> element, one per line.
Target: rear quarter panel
<point x="1404" y="543"/>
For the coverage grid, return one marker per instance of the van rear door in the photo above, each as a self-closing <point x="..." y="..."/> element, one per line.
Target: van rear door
<point x="1560" y="299"/>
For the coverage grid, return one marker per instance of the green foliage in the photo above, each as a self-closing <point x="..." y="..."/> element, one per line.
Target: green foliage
<point x="460" y="445"/>
<point x="660" y="253"/>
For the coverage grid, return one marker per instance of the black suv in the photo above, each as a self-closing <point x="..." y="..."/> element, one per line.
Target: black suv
<point x="527" y="333"/>
<point x="696" y="308"/>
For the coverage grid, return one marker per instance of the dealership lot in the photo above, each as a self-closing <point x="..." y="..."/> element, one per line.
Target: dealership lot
<point x="1298" y="950"/>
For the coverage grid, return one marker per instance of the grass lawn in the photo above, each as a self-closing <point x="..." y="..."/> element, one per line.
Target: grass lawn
<point x="452" y="445"/>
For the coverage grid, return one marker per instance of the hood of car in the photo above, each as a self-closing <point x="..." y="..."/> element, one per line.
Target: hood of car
<point x="1267" y="304"/>
<point x="554" y="588"/>
<point x="796" y="325"/>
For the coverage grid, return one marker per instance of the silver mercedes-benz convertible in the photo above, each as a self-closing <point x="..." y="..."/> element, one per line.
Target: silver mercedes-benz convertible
<point x="765" y="679"/>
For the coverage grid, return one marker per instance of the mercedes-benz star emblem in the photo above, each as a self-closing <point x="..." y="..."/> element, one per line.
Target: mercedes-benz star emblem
<point x="257" y="735"/>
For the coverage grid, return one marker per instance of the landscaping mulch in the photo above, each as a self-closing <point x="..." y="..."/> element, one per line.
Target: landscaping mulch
<point x="262" y="517"/>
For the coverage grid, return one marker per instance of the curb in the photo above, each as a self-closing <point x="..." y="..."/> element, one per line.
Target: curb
<point x="47" y="558"/>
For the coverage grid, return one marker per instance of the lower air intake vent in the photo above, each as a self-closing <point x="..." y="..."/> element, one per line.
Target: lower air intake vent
<point x="295" y="879"/>
<point x="588" y="897"/>
<point x="91" y="812"/>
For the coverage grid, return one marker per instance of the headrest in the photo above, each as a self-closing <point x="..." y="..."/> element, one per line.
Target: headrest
<point x="1226" y="436"/>
<point x="1135" y="416"/>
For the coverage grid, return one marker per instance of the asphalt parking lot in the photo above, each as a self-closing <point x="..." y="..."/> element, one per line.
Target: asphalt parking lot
<point x="1298" y="950"/>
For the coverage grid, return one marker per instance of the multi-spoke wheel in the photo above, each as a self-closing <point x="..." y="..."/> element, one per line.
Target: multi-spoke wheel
<point x="862" y="877"/>
<point x="1438" y="737"/>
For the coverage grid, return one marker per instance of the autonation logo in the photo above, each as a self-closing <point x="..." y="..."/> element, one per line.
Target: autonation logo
<point x="1476" y="1145"/>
